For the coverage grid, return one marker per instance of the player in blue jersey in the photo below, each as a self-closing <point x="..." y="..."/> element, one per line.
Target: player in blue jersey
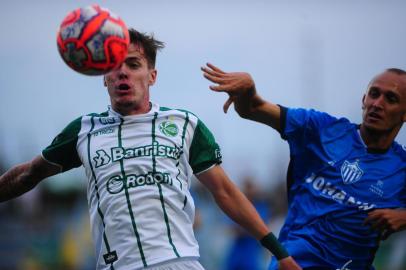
<point x="346" y="182"/>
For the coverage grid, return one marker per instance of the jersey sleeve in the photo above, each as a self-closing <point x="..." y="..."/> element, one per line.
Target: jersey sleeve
<point x="301" y="125"/>
<point x="204" y="151"/>
<point x="62" y="150"/>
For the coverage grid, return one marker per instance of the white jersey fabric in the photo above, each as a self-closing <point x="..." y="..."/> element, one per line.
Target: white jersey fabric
<point x="139" y="169"/>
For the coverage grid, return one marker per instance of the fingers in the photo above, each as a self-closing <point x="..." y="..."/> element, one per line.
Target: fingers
<point x="378" y="222"/>
<point x="373" y="216"/>
<point x="213" y="78"/>
<point x="222" y="88"/>
<point x="379" y="225"/>
<point x="375" y="220"/>
<point x="223" y="84"/>
<point x="213" y="67"/>
<point x="210" y="72"/>
<point x="227" y="104"/>
<point x="213" y="70"/>
<point x="385" y="234"/>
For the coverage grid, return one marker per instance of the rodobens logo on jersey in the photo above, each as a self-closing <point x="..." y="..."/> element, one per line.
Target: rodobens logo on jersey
<point x="169" y="128"/>
<point x="351" y="172"/>
<point x="117" y="183"/>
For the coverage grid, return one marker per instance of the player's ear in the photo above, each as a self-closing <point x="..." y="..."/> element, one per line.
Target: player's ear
<point x="104" y="81"/>
<point x="363" y="102"/>
<point x="152" y="76"/>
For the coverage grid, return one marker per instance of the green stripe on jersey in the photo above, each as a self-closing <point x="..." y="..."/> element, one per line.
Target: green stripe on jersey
<point x="185" y="127"/>
<point x="89" y="136"/>
<point x="127" y="195"/>
<point x="183" y="143"/>
<point x="161" y="197"/>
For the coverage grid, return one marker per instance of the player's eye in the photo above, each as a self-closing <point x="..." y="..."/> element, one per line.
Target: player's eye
<point x="391" y="98"/>
<point x="373" y="92"/>
<point x="132" y="62"/>
<point x="132" y="65"/>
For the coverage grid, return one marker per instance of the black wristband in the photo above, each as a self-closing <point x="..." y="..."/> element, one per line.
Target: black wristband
<point x="270" y="242"/>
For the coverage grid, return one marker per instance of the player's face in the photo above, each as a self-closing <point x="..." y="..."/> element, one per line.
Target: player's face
<point x="128" y="85"/>
<point x="384" y="104"/>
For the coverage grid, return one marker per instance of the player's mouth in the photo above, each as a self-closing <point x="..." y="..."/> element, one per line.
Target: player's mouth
<point x="375" y="116"/>
<point x="123" y="88"/>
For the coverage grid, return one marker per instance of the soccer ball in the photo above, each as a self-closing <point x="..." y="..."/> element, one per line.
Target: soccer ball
<point x="92" y="40"/>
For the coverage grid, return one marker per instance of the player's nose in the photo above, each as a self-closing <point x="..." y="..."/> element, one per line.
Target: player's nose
<point x="121" y="71"/>
<point x="379" y="102"/>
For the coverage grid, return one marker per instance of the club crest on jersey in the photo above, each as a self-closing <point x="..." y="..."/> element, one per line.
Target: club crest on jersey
<point x="351" y="172"/>
<point x="169" y="128"/>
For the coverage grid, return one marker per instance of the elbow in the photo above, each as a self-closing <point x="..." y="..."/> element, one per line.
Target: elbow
<point x="221" y="197"/>
<point x="225" y="195"/>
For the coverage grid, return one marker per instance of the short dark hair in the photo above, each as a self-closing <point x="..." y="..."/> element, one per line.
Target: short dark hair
<point x="150" y="45"/>
<point x="397" y="71"/>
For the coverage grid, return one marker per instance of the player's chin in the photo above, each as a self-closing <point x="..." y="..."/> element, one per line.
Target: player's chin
<point x="377" y="126"/>
<point x="124" y="101"/>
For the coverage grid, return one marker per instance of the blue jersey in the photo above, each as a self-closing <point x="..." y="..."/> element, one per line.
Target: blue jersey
<point x="333" y="181"/>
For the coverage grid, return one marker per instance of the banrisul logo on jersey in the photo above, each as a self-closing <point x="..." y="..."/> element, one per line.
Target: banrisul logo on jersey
<point x="169" y="128"/>
<point x="117" y="183"/>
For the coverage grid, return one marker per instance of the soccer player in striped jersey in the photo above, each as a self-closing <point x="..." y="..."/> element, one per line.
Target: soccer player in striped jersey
<point x="139" y="158"/>
<point x="346" y="182"/>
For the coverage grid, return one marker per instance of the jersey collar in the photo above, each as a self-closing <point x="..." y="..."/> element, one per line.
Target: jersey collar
<point x="369" y="149"/>
<point x="153" y="108"/>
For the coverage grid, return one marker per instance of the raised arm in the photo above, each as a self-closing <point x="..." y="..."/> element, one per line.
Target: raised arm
<point x="241" y="90"/>
<point x="24" y="177"/>
<point x="234" y="203"/>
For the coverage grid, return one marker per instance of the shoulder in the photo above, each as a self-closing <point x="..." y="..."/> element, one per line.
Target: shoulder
<point x="400" y="150"/>
<point x="89" y="115"/>
<point x="103" y="114"/>
<point x="301" y="114"/>
<point x="82" y="121"/>
<point x="177" y="110"/>
<point x="340" y="124"/>
<point x="89" y="118"/>
<point x="182" y="113"/>
<point x="310" y="120"/>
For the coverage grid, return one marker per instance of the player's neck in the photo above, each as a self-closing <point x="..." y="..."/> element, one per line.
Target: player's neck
<point x="377" y="140"/>
<point x="131" y="109"/>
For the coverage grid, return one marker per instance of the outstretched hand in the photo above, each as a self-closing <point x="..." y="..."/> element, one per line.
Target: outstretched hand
<point x="235" y="84"/>
<point x="387" y="221"/>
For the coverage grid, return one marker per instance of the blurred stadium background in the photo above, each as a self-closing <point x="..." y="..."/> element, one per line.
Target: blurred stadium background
<point x="314" y="53"/>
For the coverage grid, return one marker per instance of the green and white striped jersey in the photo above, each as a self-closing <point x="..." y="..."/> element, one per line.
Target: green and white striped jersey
<point x="139" y="169"/>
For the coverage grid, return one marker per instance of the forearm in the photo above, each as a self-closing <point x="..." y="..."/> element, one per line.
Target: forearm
<point x="16" y="182"/>
<point x="234" y="203"/>
<point x="253" y="107"/>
